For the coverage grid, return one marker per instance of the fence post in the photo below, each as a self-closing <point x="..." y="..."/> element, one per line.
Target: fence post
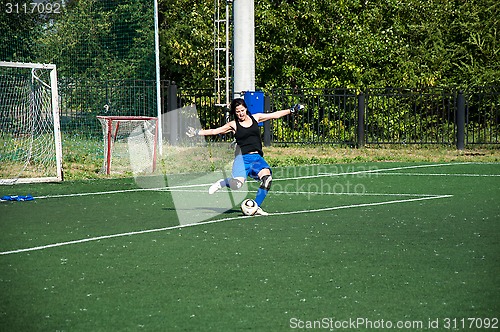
<point x="361" y="120"/>
<point x="172" y="116"/>
<point x="267" y="124"/>
<point x="460" y="121"/>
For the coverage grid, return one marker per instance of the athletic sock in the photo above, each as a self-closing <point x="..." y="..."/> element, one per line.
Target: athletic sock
<point x="261" y="194"/>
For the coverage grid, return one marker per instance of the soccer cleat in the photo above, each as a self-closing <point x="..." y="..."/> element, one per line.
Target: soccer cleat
<point x="215" y="187"/>
<point x="261" y="212"/>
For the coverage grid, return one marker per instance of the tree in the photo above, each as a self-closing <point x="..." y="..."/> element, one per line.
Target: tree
<point x="186" y="42"/>
<point x="18" y="34"/>
<point x="102" y="40"/>
<point x="476" y="48"/>
<point x="299" y="43"/>
<point x="350" y="43"/>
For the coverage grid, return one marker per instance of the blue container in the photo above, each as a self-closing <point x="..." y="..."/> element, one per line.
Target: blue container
<point x="255" y="102"/>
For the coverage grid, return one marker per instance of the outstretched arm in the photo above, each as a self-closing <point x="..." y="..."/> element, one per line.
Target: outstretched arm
<point x="227" y="128"/>
<point x="261" y="117"/>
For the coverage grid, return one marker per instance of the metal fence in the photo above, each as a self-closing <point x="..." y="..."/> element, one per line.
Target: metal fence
<point x="332" y="116"/>
<point x="482" y="115"/>
<point x="390" y="116"/>
<point x="81" y="101"/>
<point x="410" y="116"/>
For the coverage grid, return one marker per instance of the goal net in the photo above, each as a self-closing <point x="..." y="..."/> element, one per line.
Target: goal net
<point x="30" y="137"/>
<point x="130" y="144"/>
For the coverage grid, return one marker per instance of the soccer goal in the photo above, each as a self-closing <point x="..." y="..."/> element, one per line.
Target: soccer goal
<point x="30" y="136"/>
<point x="130" y="144"/>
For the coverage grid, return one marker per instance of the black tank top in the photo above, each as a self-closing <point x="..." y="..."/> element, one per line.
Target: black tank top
<point x="248" y="139"/>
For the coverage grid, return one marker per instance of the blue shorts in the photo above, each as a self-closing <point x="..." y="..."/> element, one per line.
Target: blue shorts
<point x="249" y="165"/>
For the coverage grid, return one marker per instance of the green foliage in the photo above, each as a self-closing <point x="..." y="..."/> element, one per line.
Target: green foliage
<point x="370" y="44"/>
<point x="17" y="36"/>
<point x="410" y="116"/>
<point x="344" y="43"/>
<point x="186" y="42"/>
<point x="318" y="127"/>
<point x="102" y="40"/>
<point x="87" y="39"/>
<point x="299" y="44"/>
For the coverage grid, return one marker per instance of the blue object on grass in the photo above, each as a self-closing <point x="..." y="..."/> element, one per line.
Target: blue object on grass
<point x="19" y="198"/>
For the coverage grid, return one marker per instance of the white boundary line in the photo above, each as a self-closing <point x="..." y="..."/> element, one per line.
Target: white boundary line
<point x="206" y="185"/>
<point x="174" y="188"/>
<point x="379" y="170"/>
<point x="441" y="174"/>
<point x="122" y="191"/>
<point x="225" y="191"/>
<point x="362" y="205"/>
<point x="60" y="244"/>
<point x="180" y="189"/>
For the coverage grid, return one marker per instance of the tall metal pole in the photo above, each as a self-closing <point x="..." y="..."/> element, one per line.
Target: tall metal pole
<point x="228" y="51"/>
<point x="244" y="47"/>
<point x="361" y="120"/>
<point x="460" y="121"/>
<point x="158" y="88"/>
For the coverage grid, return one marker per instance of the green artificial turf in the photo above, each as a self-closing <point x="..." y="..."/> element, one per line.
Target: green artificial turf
<point x="367" y="247"/>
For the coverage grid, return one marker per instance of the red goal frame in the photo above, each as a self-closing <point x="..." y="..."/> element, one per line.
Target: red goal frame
<point x="109" y="123"/>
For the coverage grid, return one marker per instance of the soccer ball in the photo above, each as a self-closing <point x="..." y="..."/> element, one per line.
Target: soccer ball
<point x="249" y="207"/>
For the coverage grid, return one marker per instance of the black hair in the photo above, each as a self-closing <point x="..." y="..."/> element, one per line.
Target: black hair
<point x="237" y="102"/>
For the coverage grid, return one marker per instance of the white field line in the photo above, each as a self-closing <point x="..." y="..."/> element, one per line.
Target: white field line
<point x="122" y="191"/>
<point x="441" y="174"/>
<point x="225" y="191"/>
<point x="206" y="185"/>
<point x="98" y="238"/>
<point x="362" y="205"/>
<point x="379" y="170"/>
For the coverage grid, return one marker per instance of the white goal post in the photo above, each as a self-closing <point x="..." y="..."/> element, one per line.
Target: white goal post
<point x="30" y="134"/>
